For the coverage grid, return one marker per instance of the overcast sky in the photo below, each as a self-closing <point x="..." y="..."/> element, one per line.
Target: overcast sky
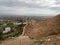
<point x="29" y="7"/>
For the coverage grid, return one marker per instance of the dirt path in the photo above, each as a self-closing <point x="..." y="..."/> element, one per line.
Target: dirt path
<point x="24" y="40"/>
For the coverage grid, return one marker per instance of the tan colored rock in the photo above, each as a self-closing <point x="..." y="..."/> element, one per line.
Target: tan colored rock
<point x="36" y="30"/>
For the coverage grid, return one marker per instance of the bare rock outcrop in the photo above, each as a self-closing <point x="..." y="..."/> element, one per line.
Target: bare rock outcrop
<point x="36" y="30"/>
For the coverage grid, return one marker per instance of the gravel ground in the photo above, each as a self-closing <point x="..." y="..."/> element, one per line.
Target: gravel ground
<point x="25" y="40"/>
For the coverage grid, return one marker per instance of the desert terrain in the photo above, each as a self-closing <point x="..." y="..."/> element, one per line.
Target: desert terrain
<point x="38" y="33"/>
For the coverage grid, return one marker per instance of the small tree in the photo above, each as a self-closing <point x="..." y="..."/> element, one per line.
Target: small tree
<point x="10" y="24"/>
<point x="1" y="35"/>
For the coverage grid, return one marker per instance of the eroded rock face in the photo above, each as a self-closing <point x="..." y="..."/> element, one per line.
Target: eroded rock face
<point x="36" y="30"/>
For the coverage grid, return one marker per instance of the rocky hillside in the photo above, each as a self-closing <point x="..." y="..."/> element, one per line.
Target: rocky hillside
<point x="36" y="30"/>
<point x="38" y="33"/>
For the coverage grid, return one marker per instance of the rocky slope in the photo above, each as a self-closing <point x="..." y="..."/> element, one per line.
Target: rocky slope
<point x="36" y="30"/>
<point x="39" y="33"/>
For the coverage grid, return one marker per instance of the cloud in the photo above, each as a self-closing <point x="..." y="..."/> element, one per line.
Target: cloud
<point x="40" y="2"/>
<point x="26" y="7"/>
<point x="27" y="11"/>
<point x="27" y="3"/>
<point x="57" y="5"/>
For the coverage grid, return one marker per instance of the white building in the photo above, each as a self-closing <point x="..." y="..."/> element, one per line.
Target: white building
<point x="19" y="23"/>
<point x="7" y="29"/>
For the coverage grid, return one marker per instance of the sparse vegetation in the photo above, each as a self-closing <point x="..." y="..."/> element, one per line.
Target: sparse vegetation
<point x="45" y="32"/>
<point x="15" y="31"/>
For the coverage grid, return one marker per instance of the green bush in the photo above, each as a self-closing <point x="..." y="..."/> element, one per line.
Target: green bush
<point x="1" y="35"/>
<point x="10" y="24"/>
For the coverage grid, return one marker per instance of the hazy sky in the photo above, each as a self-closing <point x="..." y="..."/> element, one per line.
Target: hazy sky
<point x="29" y="7"/>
